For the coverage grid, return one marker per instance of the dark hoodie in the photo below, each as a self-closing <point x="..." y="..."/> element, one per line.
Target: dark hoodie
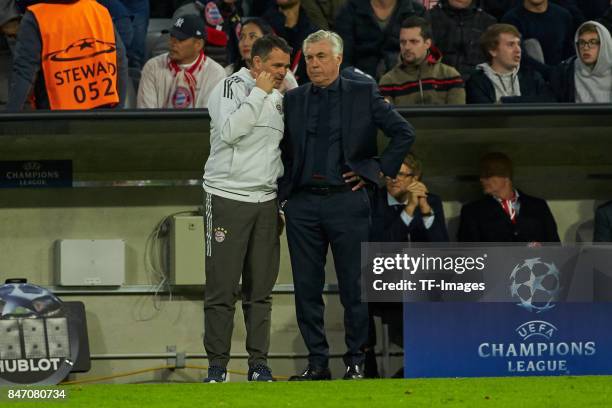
<point x="27" y="72"/>
<point x="456" y="32"/>
<point x="427" y="83"/>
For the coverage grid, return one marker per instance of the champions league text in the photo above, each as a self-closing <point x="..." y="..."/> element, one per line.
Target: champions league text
<point x="396" y="268"/>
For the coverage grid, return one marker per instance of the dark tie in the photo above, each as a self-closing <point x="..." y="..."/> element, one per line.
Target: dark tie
<point x="322" y="139"/>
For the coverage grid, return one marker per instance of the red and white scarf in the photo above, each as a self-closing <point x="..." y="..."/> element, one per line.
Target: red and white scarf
<point x="182" y="94"/>
<point x="509" y="206"/>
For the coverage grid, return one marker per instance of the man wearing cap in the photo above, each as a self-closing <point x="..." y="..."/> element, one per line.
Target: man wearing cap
<point x="505" y="214"/>
<point x="184" y="77"/>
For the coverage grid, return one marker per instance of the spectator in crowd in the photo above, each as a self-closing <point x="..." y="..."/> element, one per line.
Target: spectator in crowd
<point x="242" y="218"/>
<point x="70" y="52"/>
<point x="501" y="79"/>
<point x="457" y="26"/>
<point x="551" y="25"/>
<point x="322" y="13"/>
<point x="370" y="31"/>
<point x="587" y="77"/>
<point x="505" y="214"/>
<point x="289" y="21"/>
<point x="252" y="29"/>
<point x="404" y="211"/>
<point x="222" y="18"/>
<point x="185" y="76"/>
<point x="328" y="152"/>
<point x="603" y="223"/>
<point x="420" y="78"/>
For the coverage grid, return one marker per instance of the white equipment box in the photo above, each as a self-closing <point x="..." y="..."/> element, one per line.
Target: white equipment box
<point x="187" y="250"/>
<point x="90" y="262"/>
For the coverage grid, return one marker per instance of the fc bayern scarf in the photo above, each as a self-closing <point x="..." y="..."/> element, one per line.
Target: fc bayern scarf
<point x="182" y="93"/>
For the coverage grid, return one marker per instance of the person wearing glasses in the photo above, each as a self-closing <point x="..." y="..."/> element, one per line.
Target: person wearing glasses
<point x="587" y="76"/>
<point x="403" y="211"/>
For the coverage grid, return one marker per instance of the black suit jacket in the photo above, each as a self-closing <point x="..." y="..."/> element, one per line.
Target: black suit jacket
<point x="388" y="226"/>
<point x="484" y="220"/>
<point x="363" y="112"/>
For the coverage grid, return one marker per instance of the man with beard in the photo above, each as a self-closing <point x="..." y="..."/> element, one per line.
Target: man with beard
<point x="420" y="77"/>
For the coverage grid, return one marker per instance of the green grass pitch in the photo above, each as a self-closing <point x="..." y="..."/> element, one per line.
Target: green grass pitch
<point x="540" y="392"/>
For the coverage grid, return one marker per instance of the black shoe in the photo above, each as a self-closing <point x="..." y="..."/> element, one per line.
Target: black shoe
<point x="312" y="374"/>
<point x="353" y="372"/>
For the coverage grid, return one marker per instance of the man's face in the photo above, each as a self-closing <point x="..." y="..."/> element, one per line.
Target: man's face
<point x="322" y="66"/>
<point x="494" y="185"/>
<point x="508" y="51"/>
<point x="459" y="4"/>
<point x="185" y="51"/>
<point x="535" y="3"/>
<point x="588" y="48"/>
<point x="276" y="64"/>
<point x="398" y="186"/>
<point x="412" y="45"/>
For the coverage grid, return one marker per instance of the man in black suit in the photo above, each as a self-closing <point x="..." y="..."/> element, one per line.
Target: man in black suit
<point x="403" y="212"/>
<point x="406" y="211"/>
<point x="505" y="214"/>
<point x="329" y="155"/>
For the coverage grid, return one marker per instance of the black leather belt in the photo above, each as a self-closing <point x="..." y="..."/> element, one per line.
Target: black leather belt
<point x="326" y="190"/>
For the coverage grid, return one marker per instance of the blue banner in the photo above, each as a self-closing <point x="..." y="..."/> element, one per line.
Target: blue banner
<point x="505" y="339"/>
<point x="36" y="173"/>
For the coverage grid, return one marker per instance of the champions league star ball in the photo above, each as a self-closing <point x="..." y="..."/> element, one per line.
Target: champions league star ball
<point x="25" y="299"/>
<point x="535" y="284"/>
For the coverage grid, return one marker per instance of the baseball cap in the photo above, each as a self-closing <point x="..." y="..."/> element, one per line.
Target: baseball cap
<point x="188" y="26"/>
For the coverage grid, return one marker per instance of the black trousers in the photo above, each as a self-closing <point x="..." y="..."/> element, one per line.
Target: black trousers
<point x="314" y="222"/>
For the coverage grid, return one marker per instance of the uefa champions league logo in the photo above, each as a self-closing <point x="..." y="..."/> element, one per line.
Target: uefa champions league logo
<point x="535" y="284"/>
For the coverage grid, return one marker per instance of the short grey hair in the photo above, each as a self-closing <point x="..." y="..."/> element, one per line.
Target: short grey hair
<point x="322" y="35"/>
